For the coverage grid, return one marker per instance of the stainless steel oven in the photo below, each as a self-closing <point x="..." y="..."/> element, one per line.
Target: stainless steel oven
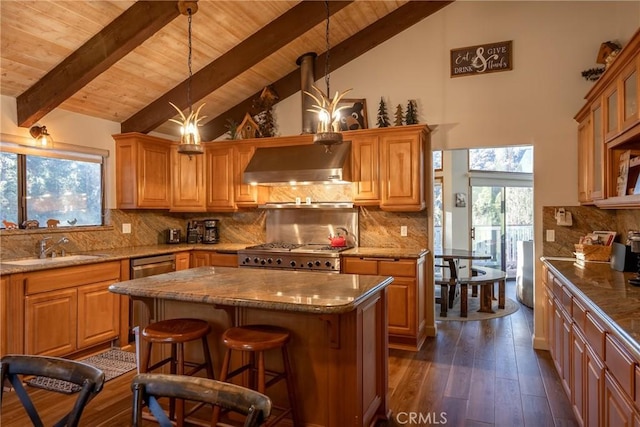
<point x="299" y="237"/>
<point x="292" y="256"/>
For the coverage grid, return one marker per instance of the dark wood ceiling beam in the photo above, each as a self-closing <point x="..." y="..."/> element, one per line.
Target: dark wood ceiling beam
<point x="278" y="33"/>
<point x="112" y="43"/>
<point x="380" y="31"/>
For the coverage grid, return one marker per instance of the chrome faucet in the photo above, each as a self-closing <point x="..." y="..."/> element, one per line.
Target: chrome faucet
<point x="43" y="246"/>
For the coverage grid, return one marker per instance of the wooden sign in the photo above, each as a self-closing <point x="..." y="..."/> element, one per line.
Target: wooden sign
<point x="481" y="59"/>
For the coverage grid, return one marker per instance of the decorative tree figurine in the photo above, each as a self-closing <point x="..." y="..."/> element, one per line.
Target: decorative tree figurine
<point x="412" y="113"/>
<point x="399" y="116"/>
<point x="383" y="117"/>
<point x="232" y="129"/>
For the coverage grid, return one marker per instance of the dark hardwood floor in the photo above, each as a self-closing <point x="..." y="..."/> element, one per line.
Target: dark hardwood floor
<point x="482" y="373"/>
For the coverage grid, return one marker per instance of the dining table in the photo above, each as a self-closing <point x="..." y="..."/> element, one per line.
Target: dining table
<point x="451" y="259"/>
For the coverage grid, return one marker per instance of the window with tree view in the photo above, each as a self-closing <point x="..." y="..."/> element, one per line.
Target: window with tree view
<point x="58" y="188"/>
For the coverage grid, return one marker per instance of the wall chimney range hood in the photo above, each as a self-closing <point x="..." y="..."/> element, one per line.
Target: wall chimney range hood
<point x="299" y="164"/>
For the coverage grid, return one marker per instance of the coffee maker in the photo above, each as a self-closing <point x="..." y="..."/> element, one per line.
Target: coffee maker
<point x="211" y="231"/>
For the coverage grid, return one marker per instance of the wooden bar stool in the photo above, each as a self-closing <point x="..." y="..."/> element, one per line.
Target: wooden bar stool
<point x="257" y="339"/>
<point x="177" y="332"/>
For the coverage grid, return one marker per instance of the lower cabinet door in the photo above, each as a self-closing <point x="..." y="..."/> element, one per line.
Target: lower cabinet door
<point x="594" y="388"/>
<point x="50" y="323"/>
<point x="98" y="311"/>
<point x="401" y="311"/>
<point x="577" y="374"/>
<point x="617" y="408"/>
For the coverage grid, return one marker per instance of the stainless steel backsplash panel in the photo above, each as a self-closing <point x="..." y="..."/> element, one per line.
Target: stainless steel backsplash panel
<point x="311" y="225"/>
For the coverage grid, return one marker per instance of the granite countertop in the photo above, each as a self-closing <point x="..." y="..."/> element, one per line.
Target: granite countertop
<point x="117" y="254"/>
<point x="609" y="295"/>
<point x="296" y="291"/>
<point x="385" y="252"/>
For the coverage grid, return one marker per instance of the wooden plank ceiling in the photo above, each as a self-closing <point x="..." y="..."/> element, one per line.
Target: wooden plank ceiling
<point x="124" y="60"/>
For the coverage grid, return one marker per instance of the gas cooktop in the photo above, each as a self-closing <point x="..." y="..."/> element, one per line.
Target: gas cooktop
<point x="297" y="247"/>
<point x="292" y="256"/>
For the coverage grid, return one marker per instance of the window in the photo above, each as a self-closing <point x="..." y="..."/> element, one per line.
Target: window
<point x="505" y="159"/>
<point x="437" y="214"/>
<point x="437" y="160"/>
<point x="51" y="187"/>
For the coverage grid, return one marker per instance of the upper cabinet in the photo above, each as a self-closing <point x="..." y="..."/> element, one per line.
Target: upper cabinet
<point x="365" y="167"/>
<point x="388" y="167"/>
<point x="402" y="169"/>
<point x="188" y="182"/>
<point x="388" y="170"/>
<point x="220" y="188"/>
<point x="143" y="171"/>
<point x="609" y="134"/>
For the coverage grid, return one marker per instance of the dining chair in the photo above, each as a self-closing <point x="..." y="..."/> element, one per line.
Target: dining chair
<point x="14" y="367"/>
<point x="147" y="388"/>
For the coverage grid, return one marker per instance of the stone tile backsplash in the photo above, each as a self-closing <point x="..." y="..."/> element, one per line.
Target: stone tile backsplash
<point x="377" y="228"/>
<point x="585" y="220"/>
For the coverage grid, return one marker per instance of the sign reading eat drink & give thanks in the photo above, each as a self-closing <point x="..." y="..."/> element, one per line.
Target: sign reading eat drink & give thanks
<point x="481" y="59"/>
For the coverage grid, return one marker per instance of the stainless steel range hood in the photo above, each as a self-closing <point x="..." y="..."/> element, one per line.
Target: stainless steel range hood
<point x="299" y="164"/>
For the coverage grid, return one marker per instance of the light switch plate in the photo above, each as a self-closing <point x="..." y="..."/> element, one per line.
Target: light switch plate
<point x="403" y="231"/>
<point x="126" y="228"/>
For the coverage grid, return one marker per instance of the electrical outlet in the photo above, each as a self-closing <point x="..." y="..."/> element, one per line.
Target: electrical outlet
<point x="126" y="228"/>
<point x="403" y="231"/>
<point x="551" y="235"/>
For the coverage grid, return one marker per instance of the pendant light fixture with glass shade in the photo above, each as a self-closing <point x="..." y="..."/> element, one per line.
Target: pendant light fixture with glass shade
<point x="190" y="142"/>
<point x="328" y="133"/>
<point x="42" y="137"/>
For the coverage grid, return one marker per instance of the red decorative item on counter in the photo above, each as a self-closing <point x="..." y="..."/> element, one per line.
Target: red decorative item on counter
<point x="338" y="241"/>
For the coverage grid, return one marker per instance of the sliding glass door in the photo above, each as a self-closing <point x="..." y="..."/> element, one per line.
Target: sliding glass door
<point x="500" y="217"/>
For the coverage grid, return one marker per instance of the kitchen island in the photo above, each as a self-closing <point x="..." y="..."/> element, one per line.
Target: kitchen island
<point x="338" y="324"/>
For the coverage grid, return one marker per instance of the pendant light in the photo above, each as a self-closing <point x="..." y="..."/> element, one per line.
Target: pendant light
<point x="190" y="142"/>
<point x="42" y="137"/>
<point x="328" y="133"/>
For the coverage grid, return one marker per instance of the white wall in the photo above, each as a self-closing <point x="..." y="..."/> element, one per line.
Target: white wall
<point x="532" y="104"/>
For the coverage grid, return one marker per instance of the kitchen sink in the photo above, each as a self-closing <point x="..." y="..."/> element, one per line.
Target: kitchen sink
<point x="43" y="261"/>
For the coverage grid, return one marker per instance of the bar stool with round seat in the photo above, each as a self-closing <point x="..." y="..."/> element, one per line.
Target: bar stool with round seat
<point x="256" y="339"/>
<point x="177" y="332"/>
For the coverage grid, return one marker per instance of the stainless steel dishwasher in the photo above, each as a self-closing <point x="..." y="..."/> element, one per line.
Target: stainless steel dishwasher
<point x="152" y="265"/>
<point x="144" y="267"/>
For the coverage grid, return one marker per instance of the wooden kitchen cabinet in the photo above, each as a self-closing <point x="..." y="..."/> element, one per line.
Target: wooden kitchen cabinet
<point x="591" y="152"/>
<point x="388" y="167"/>
<point x="213" y="259"/>
<point x="220" y="185"/>
<point x="365" y="169"/>
<point x="406" y="313"/>
<point x="98" y="314"/>
<point x="593" y="389"/>
<point x="577" y="382"/>
<point x="602" y="373"/>
<point x="618" y="409"/>
<point x="246" y="195"/>
<point x="66" y="309"/>
<point x="402" y="169"/>
<point x="187" y="182"/>
<point x="182" y="260"/>
<point x="613" y="107"/>
<point x="143" y="171"/>
<point x="50" y="323"/>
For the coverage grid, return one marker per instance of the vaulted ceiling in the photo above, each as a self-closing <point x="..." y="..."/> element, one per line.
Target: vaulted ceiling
<point x="125" y="60"/>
